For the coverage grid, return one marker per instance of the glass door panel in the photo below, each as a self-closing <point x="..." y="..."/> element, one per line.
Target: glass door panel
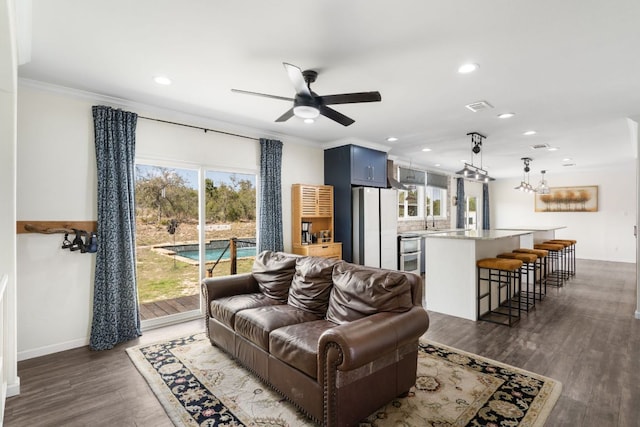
<point x="230" y="214"/>
<point x="167" y="242"/>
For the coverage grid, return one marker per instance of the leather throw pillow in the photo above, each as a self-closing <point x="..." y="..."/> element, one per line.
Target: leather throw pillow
<point x="362" y="291"/>
<point x="273" y="271"/>
<point x="311" y="285"/>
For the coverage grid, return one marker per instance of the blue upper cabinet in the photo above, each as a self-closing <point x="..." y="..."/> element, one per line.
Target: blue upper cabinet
<point x="355" y="165"/>
<point x="368" y="167"/>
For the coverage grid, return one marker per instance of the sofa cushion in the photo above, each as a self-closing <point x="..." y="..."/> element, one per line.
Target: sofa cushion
<point x="273" y="271"/>
<point x="311" y="284"/>
<point x="255" y="324"/>
<point x="297" y="345"/>
<point x="360" y="291"/>
<point x="225" y="309"/>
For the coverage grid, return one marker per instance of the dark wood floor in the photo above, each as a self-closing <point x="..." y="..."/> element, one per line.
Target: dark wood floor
<point x="584" y="335"/>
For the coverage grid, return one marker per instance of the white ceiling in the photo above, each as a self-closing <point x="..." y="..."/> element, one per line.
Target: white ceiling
<point x="569" y="69"/>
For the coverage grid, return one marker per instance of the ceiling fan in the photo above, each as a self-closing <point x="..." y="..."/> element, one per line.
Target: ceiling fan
<point x="308" y="104"/>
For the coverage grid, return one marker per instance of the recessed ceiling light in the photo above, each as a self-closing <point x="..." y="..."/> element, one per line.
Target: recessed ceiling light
<point x="308" y="121"/>
<point x="506" y="115"/>
<point x="529" y="132"/>
<point x="552" y="149"/>
<point x="463" y="161"/>
<point x="162" y="80"/>
<point x="567" y="159"/>
<point x="392" y="139"/>
<point x="437" y="165"/>
<point x="468" y="68"/>
<point x="426" y="149"/>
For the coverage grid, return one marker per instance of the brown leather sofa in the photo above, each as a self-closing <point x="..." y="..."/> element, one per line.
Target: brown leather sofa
<point x="338" y="340"/>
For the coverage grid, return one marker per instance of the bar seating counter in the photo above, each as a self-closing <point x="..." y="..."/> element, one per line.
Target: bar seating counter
<point x="540" y="233"/>
<point x="450" y="276"/>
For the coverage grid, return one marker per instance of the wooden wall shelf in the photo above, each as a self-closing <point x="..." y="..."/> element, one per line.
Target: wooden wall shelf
<point x="53" y="227"/>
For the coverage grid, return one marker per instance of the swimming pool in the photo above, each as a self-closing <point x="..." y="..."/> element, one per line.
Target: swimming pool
<point x="212" y="254"/>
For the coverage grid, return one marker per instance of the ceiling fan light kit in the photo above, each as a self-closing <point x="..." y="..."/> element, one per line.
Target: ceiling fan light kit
<point x="308" y="104"/>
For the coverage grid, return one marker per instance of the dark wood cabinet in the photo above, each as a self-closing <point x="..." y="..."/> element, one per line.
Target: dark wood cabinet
<point x="344" y="167"/>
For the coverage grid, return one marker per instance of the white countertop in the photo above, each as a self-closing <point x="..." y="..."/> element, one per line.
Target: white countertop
<point x="477" y="234"/>
<point x="533" y="227"/>
<point x="428" y="231"/>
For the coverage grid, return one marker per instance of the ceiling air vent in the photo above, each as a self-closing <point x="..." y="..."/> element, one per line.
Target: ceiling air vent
<point x="568" y="164"/>
<point x="479" y="106"/>
<point x="540" y="146"/>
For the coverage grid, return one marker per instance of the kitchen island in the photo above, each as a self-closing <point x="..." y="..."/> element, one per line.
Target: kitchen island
<point x="450" y="276"/>
<point x="539" y="233"/>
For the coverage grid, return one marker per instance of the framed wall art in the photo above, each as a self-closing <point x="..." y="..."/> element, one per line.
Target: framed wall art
<point x="568" y="199"/>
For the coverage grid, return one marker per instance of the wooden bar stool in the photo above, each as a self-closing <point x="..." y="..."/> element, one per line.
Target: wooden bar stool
<point x="541" y="266"/>
<point x="504" y="274"/>
<point x="528" y="296"/>
<point x="572" y="253"/>
<point x="555" y="267"/>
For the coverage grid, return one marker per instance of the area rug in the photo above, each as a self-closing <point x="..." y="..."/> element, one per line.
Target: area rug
<point x="199" y="385"/>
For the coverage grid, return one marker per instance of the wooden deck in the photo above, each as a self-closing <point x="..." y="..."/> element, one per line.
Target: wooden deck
<point x="156" y="309"/>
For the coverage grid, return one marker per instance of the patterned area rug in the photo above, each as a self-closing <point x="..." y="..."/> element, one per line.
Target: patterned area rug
<point x="199" y="385"/>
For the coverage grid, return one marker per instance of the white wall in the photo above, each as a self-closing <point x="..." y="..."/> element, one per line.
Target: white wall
<point x="8" y="90"/>
<point x="57" y="181"/>
<point x="603" y="235"/>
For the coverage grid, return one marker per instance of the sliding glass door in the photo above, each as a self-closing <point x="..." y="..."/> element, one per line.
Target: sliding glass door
<point x="170" y="204"/>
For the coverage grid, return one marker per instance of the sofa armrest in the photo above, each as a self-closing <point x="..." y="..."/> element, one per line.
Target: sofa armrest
<point x="365" y="340"/>
<point x="226" y="286"/>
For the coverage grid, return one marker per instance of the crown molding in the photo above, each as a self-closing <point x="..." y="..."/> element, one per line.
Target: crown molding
<point x="161" y="112"/>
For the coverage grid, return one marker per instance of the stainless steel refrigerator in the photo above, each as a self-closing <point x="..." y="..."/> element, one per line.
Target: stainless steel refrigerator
<point x="375" y="227"/>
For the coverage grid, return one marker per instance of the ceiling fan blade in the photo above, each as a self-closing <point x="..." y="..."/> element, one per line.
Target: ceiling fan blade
<point x="246" y="92"/>
<point x="334" y="115"/>
<point x="286" y="116"/>
<point x="295" y="75"/>
<point x="351" y="98"/>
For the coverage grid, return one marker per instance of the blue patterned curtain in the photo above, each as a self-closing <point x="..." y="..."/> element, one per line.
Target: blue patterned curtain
<point x="460" y="207"/>
<point x="485" y="207"/>
<point x="115" y="301"/>
<point x="270" y="227"/>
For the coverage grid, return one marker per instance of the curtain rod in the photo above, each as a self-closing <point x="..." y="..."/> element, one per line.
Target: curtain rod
<point x="198" y="127"/>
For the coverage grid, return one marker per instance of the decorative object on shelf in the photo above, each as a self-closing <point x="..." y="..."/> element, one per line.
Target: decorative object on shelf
<point x="543" y="187"/>
<point x="524" y="184"/>
<point x="568" y="199"/>
<point x="88" y="245"/>
<point x="470" y="170"/>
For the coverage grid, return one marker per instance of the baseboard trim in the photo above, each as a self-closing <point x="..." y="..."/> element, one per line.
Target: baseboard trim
<point x="54" y="348"/>
<point x="13" y="389"/>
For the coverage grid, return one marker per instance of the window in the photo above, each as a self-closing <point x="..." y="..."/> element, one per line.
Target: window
<point x="435" y="202"/>
<point x="410" y="203"/>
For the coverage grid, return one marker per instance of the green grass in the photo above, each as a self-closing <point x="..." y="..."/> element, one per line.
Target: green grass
<point x="159" y="279"/>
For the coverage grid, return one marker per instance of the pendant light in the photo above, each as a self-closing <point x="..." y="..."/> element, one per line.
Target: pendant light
<point x="543" y="187"/>
<point x="470" y="171"/>
<point x="524" y="184"/>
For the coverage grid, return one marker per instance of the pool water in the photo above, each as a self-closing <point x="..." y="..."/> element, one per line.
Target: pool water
<point x="213" y="254"/>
